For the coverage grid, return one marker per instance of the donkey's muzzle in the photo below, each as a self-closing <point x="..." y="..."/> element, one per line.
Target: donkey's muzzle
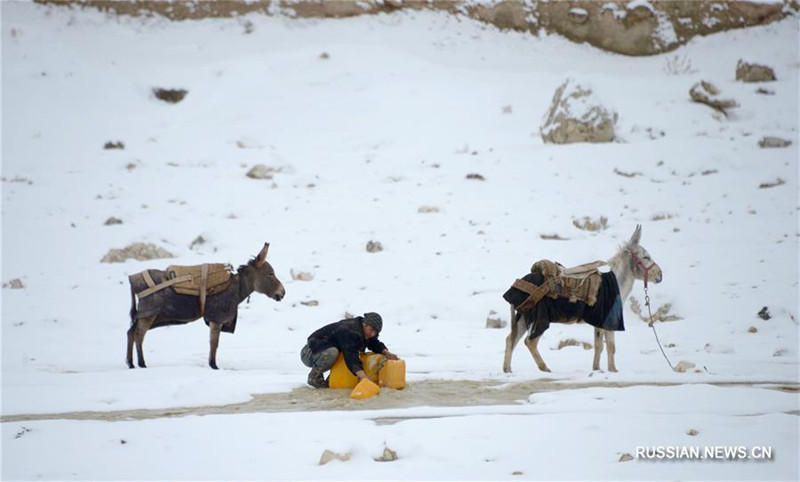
<point x="279" y="295"/>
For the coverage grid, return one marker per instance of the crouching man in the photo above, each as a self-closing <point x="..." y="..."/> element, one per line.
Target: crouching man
<point x="349" y="337"/>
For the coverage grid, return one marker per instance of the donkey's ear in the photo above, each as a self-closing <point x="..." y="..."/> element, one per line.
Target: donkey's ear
<point x="262" y="256"/>
<point x="637" y="235"/>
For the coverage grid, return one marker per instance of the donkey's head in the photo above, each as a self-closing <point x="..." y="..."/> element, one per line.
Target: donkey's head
<point x="642" y="265"/>
<point x="264" y="280"/>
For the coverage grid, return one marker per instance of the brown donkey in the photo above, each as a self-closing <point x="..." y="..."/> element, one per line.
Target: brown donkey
<point x="632" y="262"/>
<point x="160" y="303"/>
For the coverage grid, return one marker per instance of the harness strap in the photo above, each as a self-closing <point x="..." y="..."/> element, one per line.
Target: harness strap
<point x="203" y="284"/>
<point x="154" y="287"/>
<point x="147" y="278"/>
<point x="536" y="293"/>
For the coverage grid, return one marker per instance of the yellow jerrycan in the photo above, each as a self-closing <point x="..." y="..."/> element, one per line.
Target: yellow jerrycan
<point x="342" y="377"/>
<point x="393" y="374"/>
<point x="365" y="389"/>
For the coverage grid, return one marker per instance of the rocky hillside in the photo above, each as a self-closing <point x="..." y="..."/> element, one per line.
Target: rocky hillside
<point x="638" y="27"/>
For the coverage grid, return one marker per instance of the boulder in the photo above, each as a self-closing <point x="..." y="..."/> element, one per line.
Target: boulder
<point x="772" y="142"/>
<point x="754" y="72"/>
<point x="576" y="115"/>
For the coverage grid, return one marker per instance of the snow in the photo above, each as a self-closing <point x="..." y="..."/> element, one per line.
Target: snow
<point x="403" y="108"/>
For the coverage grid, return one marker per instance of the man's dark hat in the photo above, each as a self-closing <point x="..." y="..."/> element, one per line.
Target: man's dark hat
<point x="374" y="320"/>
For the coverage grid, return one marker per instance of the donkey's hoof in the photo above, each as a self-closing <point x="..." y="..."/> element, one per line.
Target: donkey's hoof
<point x="142" y="365"/>
<point x="213" y="365"/>
<point x="506" y="369"/>
<point x="612" y="370"/>
<point x="545" y="369"/>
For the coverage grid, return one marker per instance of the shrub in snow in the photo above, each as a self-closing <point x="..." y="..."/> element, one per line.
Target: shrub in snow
<point x="708" y="94"/>
<point x="753" y="72"/>
<point x="575" y="115"/>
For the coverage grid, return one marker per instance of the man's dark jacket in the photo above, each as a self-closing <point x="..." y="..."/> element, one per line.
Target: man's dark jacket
<point x="348" y="337"/>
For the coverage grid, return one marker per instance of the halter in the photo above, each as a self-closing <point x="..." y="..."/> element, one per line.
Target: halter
<point x="638" y="261"/>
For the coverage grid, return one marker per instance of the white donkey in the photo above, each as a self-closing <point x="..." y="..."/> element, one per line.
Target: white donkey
<point x="631" y="262"/>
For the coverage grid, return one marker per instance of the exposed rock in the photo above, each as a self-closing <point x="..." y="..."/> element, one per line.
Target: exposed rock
<point x="494" y="321"/>
<point x="776" y="183"/>
<point x="112" y="220"/>
<point x="197" y="242"/>
<point x="388" y="455"/>
<point x="137" y="251"/>
<point x="752" y="329"/>
<point x="427" y="209"/>
<point x="576" y="115"/>
<point x="553" y="237"/>
<point x="764" y="313"/>
<point x="14" y="284"/>
<point x="328" y="456"/>
<point x="770" y="142"/>
<point x="683" y="366"/>
<point x="261" y="171"/>
<point x="476" y="177"/>
<point x="626" y="457"/>
<point x="374" y="246"/>
<point x="573" y="342"/>
<point x="310" y="303"/>
<point x="114" y="145"/>
<point x="589" y="224"/>
<point x="630" y="28"/>
<point x="692" y="432"/>
<point x="301" y="275"/>
<point x="171" y="96"/>
<point x="754" y="72"/>
<point x="706" y="93"/>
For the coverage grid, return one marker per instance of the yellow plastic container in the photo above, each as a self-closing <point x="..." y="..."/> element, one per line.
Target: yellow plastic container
<point x="342" y="377"/>
<point x="393" y="374"/>
<point x="365" y="389"/>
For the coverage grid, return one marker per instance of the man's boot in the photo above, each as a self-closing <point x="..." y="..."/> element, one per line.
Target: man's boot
<point x="316" y="378"/>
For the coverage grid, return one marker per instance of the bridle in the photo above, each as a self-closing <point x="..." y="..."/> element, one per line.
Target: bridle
<point x="638" y="262"/>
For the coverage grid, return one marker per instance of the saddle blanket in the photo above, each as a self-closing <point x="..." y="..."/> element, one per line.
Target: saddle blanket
<point x="605" y="312"/>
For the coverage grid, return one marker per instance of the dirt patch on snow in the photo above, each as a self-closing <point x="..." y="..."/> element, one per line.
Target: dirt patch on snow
<point x="426" y="393"/>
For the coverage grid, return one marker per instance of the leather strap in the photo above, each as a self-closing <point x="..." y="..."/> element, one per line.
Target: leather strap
<point x="203" y="284"/>
<point x="154" y="287"/>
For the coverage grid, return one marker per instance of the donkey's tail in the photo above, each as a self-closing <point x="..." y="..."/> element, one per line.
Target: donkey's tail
<point x="133" y="311"/>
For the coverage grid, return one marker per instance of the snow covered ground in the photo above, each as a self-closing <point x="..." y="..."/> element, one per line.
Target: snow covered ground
<point x="392" y="118"/>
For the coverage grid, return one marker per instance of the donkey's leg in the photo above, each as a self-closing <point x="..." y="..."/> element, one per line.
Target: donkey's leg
<point x="598" y="348"/>
<point x="129" y="353"/>
<point x="532" y="344"/>
<point x="142" y="326"/>
<point x="611" y="348"/>
<point x="517" y="332"/>
<point x="212" y="354"/>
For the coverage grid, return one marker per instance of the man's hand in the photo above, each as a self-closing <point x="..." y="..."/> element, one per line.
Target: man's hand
<point x="361" y="375"/>
<point x="389" y="355"/>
